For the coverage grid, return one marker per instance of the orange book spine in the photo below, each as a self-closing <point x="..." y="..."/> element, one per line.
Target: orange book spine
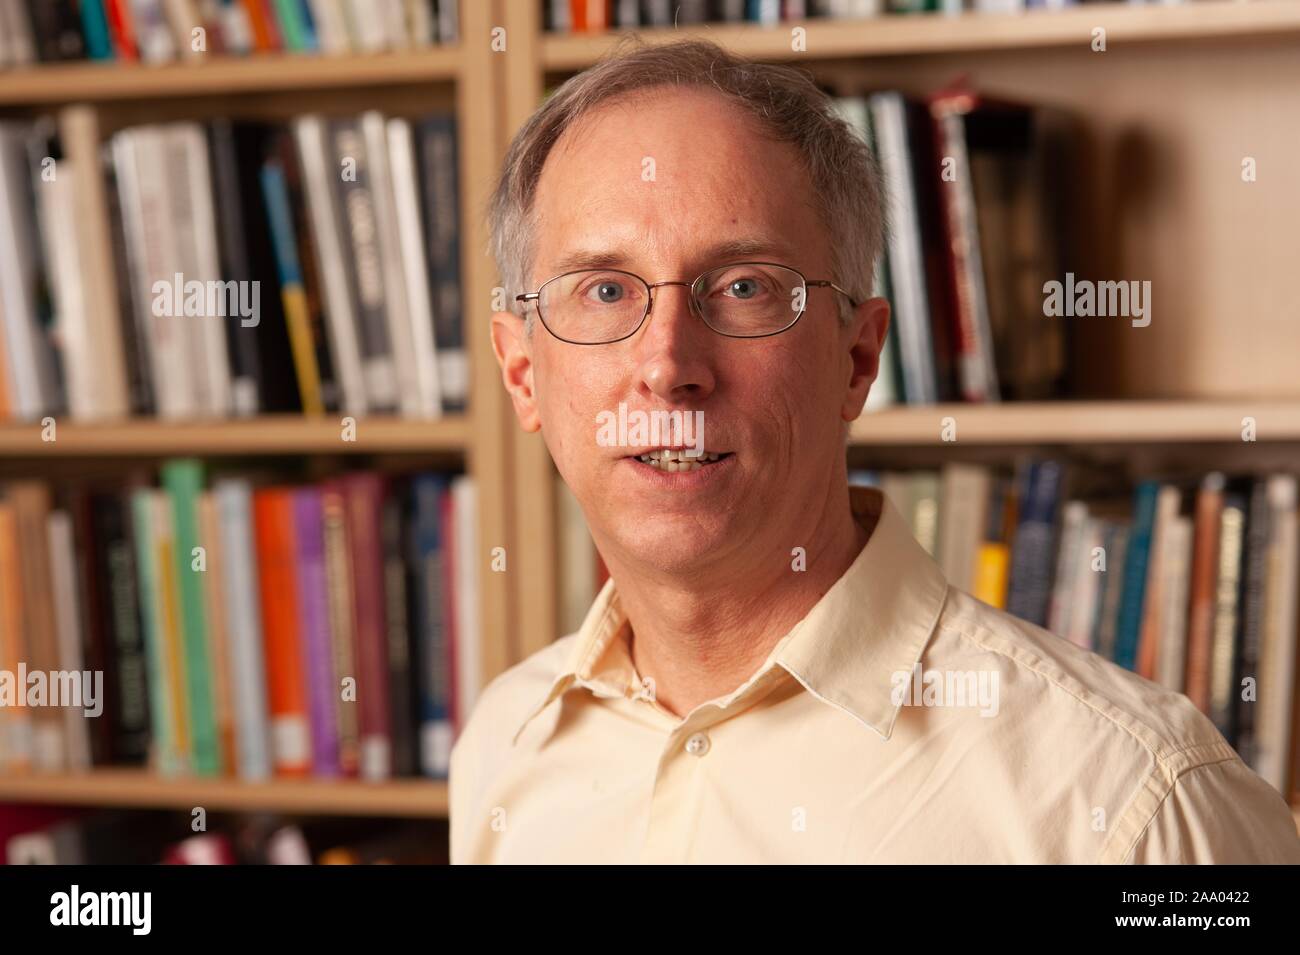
<point x="15" y="721"/>
<point x="1201" y="603"/>
<point x="285" y="675"/>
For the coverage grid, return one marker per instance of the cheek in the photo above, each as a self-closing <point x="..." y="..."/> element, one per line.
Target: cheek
<point x="570" y="394"/>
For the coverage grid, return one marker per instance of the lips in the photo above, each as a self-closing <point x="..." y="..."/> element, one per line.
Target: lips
<point x="675" y="460"/>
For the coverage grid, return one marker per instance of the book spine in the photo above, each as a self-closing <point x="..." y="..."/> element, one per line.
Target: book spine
<point x="291" y="745"/>
<point x="338" y="569"/>
<point x="1133" y="595"/>
<point x="322" y="686"/>
<point x="440" y="179"/>
<point x="398" y="631"/>
<point x="244" y="614"/>
<point x="183" y="481"/>
<point x="297" y="315"/>
<point x="364" y="497"/>
<point x="428" y="554"/>
<point x="165" y="748"/>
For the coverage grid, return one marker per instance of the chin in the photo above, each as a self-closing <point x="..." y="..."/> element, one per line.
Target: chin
<point x="673" y="543"/>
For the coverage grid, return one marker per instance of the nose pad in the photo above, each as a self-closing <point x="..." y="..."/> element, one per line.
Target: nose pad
<point x="691" y="305"/>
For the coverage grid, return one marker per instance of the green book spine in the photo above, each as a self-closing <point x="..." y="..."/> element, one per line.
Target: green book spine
<point x="161" y="717"/>
<point x="183" y="481"/>
<point x="291" y="26"/>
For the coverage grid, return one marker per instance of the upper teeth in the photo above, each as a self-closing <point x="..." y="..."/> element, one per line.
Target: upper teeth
<point x="677" y="459"/>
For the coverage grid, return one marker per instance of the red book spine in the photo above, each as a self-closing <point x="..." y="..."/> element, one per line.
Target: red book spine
<point x="364" y="494"/>
<point x="286" y="676"/>
<point x="121" y="29"/>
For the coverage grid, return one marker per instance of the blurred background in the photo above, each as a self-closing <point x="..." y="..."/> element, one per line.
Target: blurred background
<point x="259" y="480"/>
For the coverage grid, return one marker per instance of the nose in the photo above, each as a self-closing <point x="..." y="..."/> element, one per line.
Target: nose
<point x="675" y="348"/>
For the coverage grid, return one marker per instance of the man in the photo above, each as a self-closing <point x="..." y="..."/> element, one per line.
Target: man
<point x="688" y="232"/>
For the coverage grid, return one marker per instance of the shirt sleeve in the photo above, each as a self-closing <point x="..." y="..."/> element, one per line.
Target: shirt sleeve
<point x="1220" y="813"/>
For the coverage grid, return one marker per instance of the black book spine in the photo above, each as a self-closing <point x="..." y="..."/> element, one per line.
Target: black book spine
<point x="440" y="193"/>
<point x="241" y="339"/>
<point x="116" y="573"/>
<point x="56" y="26"/>
<point x="277" y="381"/>
<point x="400" y="671"/>
<point x="1255" y="561"/>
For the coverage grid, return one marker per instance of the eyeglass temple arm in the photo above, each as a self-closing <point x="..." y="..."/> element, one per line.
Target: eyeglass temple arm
<point x="827" y="283"/>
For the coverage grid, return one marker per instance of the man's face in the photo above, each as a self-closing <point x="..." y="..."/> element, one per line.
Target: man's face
<point x="661" y="185"/>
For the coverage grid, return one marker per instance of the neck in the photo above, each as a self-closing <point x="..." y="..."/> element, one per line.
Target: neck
<point x="701" y="635"/>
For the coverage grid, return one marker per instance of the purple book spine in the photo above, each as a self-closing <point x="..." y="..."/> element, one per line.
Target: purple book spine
<point x="315" y="629"/>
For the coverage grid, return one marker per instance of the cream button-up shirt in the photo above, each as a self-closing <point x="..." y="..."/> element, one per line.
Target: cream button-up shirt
<point x="900" y="721"/>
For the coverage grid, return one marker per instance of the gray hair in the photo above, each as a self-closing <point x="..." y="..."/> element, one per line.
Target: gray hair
<point x="845" y="177"/>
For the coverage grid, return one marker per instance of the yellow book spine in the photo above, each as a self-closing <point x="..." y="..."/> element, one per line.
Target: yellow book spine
<point x="298" y="319"/>
<point x="992" y="564"/>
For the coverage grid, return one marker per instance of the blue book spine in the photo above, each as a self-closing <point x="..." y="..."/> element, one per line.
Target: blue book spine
<point x="1133" y="596"/>
<point x="433" y="683"/>
<point x="94" y="24"/>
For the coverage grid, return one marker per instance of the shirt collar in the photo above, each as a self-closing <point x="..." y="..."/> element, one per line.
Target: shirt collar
<point x="873" y="623"/>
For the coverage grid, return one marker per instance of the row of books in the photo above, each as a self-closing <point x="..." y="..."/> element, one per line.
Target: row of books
<point x="38" y="835"/>
<point x="1191" y="585"/>
<point x="161" y="31"/>
<point x="256" y="267"/>
<point x="241" y="629"/>
<point x="589" y="16"/>
<point x="976" y="198"/>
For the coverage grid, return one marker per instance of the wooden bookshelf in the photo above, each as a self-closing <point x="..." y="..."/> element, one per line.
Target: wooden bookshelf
<point x="936" y="33"/>
<point x="1078" y="422"/>
<point x="218" y="75"/>
<point x="457" y="77"/>
<point x="139" y="789"/>
<point x="265" y="435"/>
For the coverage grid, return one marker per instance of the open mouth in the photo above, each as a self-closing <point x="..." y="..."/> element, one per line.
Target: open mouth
<point x="675" y="460"/>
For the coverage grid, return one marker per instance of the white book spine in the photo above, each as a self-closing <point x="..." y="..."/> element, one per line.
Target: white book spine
<point x="68" y="623"/>
<point x="390" y="252"/>
<point x="58" y="229"/>
<point x="244" y="628"/>
<point x="406" y="192"/>
<point x="211" y="330"/>
<point x="372" y="36"/>
<point x="906" y="265"/>
<point x="1176" y="561"/>
<point x="31" y="375"/>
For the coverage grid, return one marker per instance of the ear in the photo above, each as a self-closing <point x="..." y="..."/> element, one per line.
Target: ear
<point x="866" y="340"/>
<point x="513" y="349"/>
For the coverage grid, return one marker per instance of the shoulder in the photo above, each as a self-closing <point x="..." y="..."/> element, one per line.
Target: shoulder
<point x="1039" y="668"/>
<point x="1174" y="789"/>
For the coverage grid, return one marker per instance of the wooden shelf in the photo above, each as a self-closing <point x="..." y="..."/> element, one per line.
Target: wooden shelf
<point x="267" y="435"/>
<point x="99" y="82"/>
<point x="1102" y="422"/>
<point x="139" y="789"/>
<point x="935" y="33"/>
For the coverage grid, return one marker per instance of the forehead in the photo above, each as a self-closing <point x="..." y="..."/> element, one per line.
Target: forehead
<point x="662" y="177"/>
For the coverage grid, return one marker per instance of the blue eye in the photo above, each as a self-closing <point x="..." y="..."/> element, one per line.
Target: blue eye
<point x="608" y="292"/>
<point x="742" y="288"/>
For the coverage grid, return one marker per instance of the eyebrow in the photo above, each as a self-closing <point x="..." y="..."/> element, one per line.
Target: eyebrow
<point x="731" y="249"/>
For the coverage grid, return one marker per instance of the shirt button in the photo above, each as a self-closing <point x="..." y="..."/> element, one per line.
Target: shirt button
<point x="698" y="744"/>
